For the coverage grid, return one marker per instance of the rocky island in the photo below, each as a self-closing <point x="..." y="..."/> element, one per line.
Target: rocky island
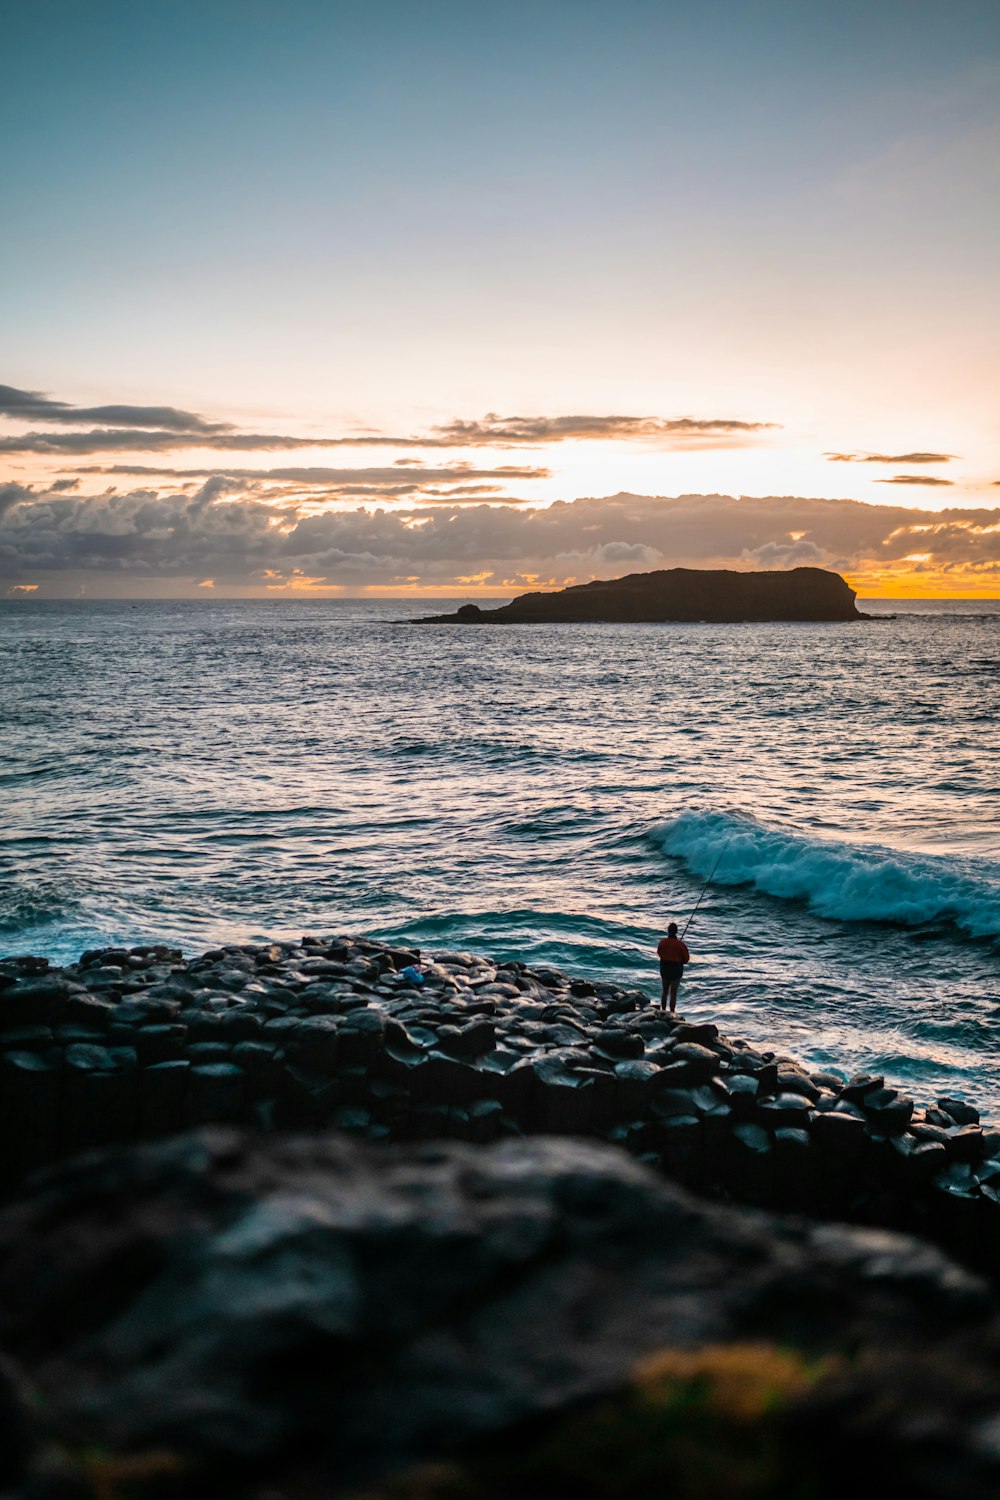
<point x="283" y="1221"/>
<point x="695" y="594"/>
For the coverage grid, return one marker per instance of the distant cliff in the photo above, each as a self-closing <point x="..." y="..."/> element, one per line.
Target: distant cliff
<point x="676" y="594"/>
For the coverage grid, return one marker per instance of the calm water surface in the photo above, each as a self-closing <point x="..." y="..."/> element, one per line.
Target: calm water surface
<point x="205" y="772"/>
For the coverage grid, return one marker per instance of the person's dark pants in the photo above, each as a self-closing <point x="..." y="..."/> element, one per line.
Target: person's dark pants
<point x="671" y="973"/>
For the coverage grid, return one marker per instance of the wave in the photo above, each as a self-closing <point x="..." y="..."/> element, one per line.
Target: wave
<point x="847" y="882"/>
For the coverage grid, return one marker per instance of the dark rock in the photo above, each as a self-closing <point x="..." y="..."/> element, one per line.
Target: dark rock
<point x="960" y="1112"/>
<point x="923" y="1160"/>
<point x="936" y="1133"/>
<point x="30" y="1090"/>
<point x="787" y="1109"/>
<point x="208" y="1052"/>
<point x="99" y="1099"/>
<point x="33" y="1001"/>
<point x="790" y="1081"/>
<point x="83" y="1009"/>
<point x="842" y="1134"/>
<point x="633" y="1082"/>
<point x="163" y="1096"/>
<point x="25" y="963"/>
<point x="794" y="1167"/>
<point x="750" y="1166"/>
<point x="160" y="1043"/>
<point x="703" y="1033"/>
<point x="361" y="1036"/>
<point x="468" y="1041"/>
<point x="29" y="1038"/>
<point x="888" y="1111"/>
<point x="615" y="1043"/>
<point x="679" y="1142"/>
<point x="966" y="1144"/>
<point x="439" y="1079"/>
<point x="316" y="1043"/>
<point x="215" y="1093"/>
<point x="741" y="1089"/>
<point x="856" y="1088"/>
<point x="700" y="1062"/>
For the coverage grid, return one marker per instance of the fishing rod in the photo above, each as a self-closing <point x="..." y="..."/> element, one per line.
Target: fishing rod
<point x="708" y="882"/>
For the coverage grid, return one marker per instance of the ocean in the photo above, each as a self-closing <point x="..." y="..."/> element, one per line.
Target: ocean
<point x="208" y="772"/>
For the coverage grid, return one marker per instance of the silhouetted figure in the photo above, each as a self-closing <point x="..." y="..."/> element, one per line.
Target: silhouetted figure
<point x="673" y="955"/>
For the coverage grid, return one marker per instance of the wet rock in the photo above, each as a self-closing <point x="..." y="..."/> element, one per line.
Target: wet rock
<point x="468" y="1041"/>
<point x="215" y="1093"/>
<point x="888" y="1111"/>
<point x="159" y="1043"/>
<point x="859" y="1085"/>
<point x="316" y="1043"/>
<point x="614" y="1042"/>
<point x="30" y="1090"/>
<point x="966" y="1144"/>
<point x="786" y="1109"/>
<point x="794" y="1167"/>
<point x="33" y="1001"/>
<point x="750" y="1164"/>
<point x="960" y="1112"/>
<point x="163" y="1090"/>
<point x="361" y="1036"/>
<point x="741" y="1089"/>
<point x="34" y="1038"/>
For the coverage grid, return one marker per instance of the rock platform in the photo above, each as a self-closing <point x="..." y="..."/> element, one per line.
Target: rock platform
<point x="326" y="1033"/>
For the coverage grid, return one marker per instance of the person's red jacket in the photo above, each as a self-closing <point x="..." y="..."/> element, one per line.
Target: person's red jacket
<point x="673" y="951"/>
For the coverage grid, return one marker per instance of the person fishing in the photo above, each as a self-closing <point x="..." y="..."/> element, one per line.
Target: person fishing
<point x="673" y="955"/>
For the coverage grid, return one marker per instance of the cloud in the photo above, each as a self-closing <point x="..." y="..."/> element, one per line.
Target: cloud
<point x="13" y="494"/>
<point x="924" y="479"/>
<point x="889" y="458"/>
<point x="514" y="432"/>
<point x="156" y="429"/>
<point x="392" y="483"/>
<point x="790" y="554"/>
<point x="109" y="440"/>
<point x="250" y="542"/>
<point x="31" y="406"/>
<point x="519" y="432"/>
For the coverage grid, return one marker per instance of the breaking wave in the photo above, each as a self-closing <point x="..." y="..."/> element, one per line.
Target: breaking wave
<point x="847" y="882"/>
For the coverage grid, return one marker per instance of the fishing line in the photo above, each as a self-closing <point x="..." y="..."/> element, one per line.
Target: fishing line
<point x="708" y="882"/>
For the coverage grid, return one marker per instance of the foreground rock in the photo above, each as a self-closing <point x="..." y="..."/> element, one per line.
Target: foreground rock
<point x="704" y="594"/>
<point x="231" y="1310"/>
<point x="330" y="1033"/>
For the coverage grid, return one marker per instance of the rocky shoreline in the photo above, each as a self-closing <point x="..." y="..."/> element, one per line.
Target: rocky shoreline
<point x="335" y="1242"/>
<point x="328" y="1033"/>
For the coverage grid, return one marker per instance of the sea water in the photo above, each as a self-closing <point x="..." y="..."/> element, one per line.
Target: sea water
<point x="215" y="772"/>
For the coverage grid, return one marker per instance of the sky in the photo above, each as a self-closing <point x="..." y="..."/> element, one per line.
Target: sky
<point x="299" y="296"/>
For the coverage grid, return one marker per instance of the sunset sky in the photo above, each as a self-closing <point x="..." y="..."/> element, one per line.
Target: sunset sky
<point x="335" y="297"/>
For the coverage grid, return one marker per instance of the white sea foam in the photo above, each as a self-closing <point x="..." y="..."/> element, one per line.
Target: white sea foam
<point x="848" y="882"/>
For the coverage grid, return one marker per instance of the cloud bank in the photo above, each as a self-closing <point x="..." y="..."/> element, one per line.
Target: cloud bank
<point x="119" y="543"/>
